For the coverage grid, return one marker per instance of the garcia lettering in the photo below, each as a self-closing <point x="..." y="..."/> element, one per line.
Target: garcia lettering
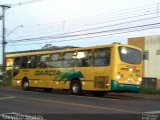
<point x="47" y="72"/>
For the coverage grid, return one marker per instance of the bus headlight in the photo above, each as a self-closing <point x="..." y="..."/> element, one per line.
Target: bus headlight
<point x="138" y="83"/>
<point x="18" y="81"/>
<point x="119" y="76"/>
<point x="131" y="69"/>
<point x="140" y="79"/>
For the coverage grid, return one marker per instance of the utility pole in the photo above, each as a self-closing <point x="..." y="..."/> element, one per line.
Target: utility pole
<point x="4" y="7"/>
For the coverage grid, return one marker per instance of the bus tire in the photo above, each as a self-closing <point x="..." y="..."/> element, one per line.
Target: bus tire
<point x="76" y="87"/>
<point x="25" y="85"/>
<point x="99" y="93"/>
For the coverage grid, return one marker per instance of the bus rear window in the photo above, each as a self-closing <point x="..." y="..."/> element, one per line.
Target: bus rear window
<point x="130" y="55"/>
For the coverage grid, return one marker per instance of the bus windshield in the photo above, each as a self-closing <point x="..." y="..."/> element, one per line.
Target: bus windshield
<point x="130" y="55"/>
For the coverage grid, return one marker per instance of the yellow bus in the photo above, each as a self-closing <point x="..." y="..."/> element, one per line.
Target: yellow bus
<point x="99" y="69"/>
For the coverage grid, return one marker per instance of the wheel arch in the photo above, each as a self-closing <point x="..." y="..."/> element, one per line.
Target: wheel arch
<point x="75" y="79"/>
<point x="24" y="79"/>
<point x="76" y="86"/>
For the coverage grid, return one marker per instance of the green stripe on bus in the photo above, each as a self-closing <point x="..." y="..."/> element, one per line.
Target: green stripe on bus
<point x="115" y="86"/>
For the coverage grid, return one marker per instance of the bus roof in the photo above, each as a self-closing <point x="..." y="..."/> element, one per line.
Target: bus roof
<point x="56" y="49"/>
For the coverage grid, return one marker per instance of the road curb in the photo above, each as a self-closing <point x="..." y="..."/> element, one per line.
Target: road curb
<point x="137" y="95"/>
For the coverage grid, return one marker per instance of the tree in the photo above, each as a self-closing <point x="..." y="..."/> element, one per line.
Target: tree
<point x="1" y="69"/>
<point x="47" y="46"/>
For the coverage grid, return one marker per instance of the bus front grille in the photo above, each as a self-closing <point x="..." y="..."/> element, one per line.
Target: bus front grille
<point x="100" y="81"/>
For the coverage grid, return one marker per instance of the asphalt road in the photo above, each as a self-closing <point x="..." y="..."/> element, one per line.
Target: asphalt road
<point x="48" y="105"/>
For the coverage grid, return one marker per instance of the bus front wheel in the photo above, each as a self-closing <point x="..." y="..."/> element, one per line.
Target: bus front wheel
<point x="25" y="85"/>
<point x="76" y="87"/>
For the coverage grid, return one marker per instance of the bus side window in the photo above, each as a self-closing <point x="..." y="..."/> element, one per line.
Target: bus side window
<point x="68" y="60"/>
<point x="101" y="57"/>
<point x="9" y="62"/>
<point x="83" y="58"/>
<point x="16" y="63"/>
<point x="16" y="66"/>
<point x="32" y="62"/>
<point x="56" y="60"/>
<point x="24" y="62"/>
<point x="43" y="63"/>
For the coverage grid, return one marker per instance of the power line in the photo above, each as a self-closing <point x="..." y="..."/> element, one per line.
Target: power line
<point x="83" y="20"/>
<point x="115" y="13"/>
<point x="65" y="34"/>
<point x="131" y="17"/>
<point x="61" y="35"/>
<point x="142" y="27"/>
<point x="25" y="3"/>
<point x="141" y="15"/>
<point x="83" y="38"/>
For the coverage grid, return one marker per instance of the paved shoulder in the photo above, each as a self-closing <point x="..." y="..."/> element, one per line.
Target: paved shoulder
<point x="136" y="95"/>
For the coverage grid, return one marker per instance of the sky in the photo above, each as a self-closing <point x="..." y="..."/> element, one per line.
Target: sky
<point x="26" y="20"/>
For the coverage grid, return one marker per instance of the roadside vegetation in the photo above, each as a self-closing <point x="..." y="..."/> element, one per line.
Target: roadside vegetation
<point x="8" y="79"/>
<point x="149" y="90"/>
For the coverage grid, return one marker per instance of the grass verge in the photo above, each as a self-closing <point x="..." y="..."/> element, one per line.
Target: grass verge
<point x="149" y="90"/>
<point x="5" y="83"/>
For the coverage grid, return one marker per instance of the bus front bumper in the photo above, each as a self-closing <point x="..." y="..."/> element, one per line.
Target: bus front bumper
<point x="115" y="86"/>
